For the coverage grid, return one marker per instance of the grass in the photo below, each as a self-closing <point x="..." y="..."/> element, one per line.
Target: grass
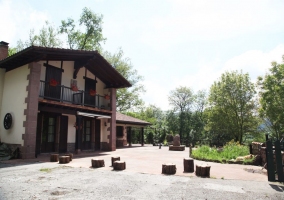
<point x="230" y="151"/>
<point x="45" y="169"/>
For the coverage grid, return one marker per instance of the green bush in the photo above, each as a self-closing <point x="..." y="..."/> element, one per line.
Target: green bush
<point x="230" y="151"/>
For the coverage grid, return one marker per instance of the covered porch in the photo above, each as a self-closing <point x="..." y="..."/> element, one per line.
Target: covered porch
<point x="126" y="127"/>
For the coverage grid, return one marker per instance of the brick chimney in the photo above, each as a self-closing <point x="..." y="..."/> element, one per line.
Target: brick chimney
<point x="3" y="50"/>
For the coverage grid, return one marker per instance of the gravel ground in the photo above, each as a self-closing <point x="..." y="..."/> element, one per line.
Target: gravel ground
<point x="44" y="181"/>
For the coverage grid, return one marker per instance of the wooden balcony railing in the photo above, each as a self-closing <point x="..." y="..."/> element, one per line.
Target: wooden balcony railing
<point x="65" y="94"/>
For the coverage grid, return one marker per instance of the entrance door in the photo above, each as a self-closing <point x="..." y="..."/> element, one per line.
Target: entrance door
<point x="97" y="134"/>
<point x="48" y="133"/>
<point x="63" y="134"/>
<point x="86" y="134"/>
<point x="90" y="88"/>
<point x="52" y="88"/>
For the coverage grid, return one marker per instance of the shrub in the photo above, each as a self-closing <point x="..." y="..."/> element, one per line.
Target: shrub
<point x="230" y="151"/>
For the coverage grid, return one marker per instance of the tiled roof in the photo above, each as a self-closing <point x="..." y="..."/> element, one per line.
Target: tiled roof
<point x="121" y="118"/>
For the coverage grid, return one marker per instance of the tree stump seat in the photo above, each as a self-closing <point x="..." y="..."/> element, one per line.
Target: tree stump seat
<point x="70" y="155"/>
<point x="188" y="164"/>
<point x="54" y="157"/>
<point x="113" y="159"/>
<point x="64" y="159"/>
<point x="203" y="170"/>
<point x="119" y="165"/>
<point x="98" y="163"/>
<point x="169" y="168"/>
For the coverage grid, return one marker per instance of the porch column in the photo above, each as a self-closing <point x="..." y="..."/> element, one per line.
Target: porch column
<point x="78" y="134"/>
<point x="129" y="129"/>
<point x="112" y="135"/>
<point x="142" y="136"/>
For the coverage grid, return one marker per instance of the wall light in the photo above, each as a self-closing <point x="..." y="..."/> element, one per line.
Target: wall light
<point x="105" y="124"/>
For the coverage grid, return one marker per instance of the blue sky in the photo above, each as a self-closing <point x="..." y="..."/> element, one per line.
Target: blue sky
<point x="171" y="43"/>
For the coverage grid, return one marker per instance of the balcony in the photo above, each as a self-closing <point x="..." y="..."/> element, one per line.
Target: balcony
<point x="65" y="94"/>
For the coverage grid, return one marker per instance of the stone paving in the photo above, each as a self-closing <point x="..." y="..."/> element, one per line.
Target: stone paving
<point x="149" y="159"/>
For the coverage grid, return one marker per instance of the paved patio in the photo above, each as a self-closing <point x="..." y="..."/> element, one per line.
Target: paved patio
<point x="149" y="159"/>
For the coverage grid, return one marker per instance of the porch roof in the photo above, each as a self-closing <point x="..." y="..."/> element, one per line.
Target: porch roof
<point x="94" y="62"/>
<point x="125" y="119"/>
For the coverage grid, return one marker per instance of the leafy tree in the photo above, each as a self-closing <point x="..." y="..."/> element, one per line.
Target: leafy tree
<point x="89" y="39"/>
<point x="127" y="98"/>
<point x="47" y="37"/>
<point x="12" y="51"/>
<point x="182" y="100"/>
<point x="232" y="106"/>
<point x="271" y="99"/>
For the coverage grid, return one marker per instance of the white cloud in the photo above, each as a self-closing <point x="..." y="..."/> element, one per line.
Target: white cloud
<point x="255" y="62"/>
<point x="156" y="94"/>
<point x="17" y="18"/>
<point x="211" y="20"/>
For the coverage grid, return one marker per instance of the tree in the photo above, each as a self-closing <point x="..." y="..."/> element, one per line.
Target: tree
<point x="271" y="98"/>
<point x="232" y="106"/>
<point x="127" y="98"/>
<point x="47" y="37"/>
<point x="88" y="40"/>
<point x="182" y="100"/>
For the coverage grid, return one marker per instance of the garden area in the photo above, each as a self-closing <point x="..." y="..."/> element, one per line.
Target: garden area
<point x="231" y="152"/>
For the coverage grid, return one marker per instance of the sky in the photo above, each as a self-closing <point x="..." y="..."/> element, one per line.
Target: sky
<point x="171" y="43"/>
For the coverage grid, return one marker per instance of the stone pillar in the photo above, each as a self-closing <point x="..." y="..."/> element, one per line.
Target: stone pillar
<point x="112" y="135"/>
<point x="129" y="136"/>
<point x="142" y="136"/>
<point x="29" y="148"/>
<point x="78" y="134"/>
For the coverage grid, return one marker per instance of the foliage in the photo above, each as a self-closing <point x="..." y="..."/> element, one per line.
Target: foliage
<point x="154" y="115"/>
<point x="187" y="116"/>
<point x="12" y="51"/>
<point x="47" y="37"/>
<point x="230" y="151"/>
<point x="89" y="39"/>
<point x="271" y="99"/>
<point x="232" y="108"/>
<point x="182" y="100"/>
<point x="127" y="98"/>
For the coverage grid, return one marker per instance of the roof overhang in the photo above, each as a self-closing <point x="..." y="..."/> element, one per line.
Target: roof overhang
<point x="95" y="63"/>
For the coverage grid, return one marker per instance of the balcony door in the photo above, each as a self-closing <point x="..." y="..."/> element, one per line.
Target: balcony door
<point x="52" y="88"/>
<point x="90" y="87"/>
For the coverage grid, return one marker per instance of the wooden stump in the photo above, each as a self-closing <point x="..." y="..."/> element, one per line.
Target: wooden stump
<point x="113" y="159"/>
<point x="169" y="168"/>
<point x="70" y="155"/>
<point x="202" y="170"/>
<point x="188" y="165"/>
<point x="64" y="159"/>
<point x="54" y="157"/>
<point x="119" y="165"/>
<point x="98" y="163"/>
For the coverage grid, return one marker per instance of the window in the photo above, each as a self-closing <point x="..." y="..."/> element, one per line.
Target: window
<point x="119" y="131"/>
